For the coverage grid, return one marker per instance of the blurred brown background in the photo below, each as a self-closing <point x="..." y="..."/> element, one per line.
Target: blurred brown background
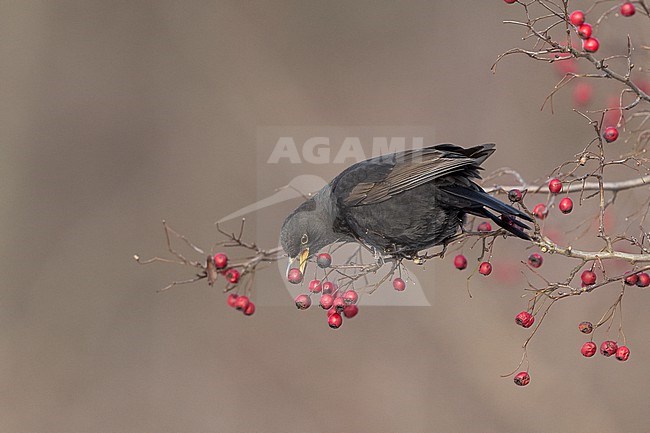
<point x="117" y="114"/>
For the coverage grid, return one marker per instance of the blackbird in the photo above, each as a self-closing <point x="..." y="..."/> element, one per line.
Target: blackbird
<point x="398" y="204"/>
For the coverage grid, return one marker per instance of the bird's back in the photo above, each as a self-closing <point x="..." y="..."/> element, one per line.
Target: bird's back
<point x="409" y="201"/>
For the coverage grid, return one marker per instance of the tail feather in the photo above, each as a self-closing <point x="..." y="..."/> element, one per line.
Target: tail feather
<point x="507" y="223"/>
<point x="482" y="198"/>
<point x="477" y="202"/>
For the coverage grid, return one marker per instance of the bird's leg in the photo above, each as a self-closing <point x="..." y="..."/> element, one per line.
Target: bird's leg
<point x="454" y="238"/>
<point x="376" y="254"/>
<point x="379" y="258"/>
<point x="449" y="241"/>
<point x="419" y="260"/>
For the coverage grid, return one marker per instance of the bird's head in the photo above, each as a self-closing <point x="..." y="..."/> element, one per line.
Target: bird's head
<point x="306" y="231"/>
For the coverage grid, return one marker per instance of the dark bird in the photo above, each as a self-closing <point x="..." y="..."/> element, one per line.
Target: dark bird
<point x="398" y="204"/>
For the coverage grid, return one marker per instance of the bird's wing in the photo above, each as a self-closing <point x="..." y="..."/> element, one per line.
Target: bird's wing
<point x="410" y="169"/>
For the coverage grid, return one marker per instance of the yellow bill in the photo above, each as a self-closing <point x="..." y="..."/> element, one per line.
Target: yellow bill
<point x="302" y="261"/>
<point x="304" y="255"/>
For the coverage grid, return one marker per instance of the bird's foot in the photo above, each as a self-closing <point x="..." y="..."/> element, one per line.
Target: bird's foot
<point x="382" y="257"/>
<point x="419" y="260"/>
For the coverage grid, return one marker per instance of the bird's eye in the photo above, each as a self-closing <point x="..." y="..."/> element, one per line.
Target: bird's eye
<point x="304" y="240"/>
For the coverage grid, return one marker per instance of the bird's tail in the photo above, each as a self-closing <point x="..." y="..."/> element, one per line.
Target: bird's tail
<point x="478" y="202"/>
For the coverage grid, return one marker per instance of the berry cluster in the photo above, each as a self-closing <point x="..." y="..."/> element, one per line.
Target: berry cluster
<point x="232" y="275"/>
<point x="588" y="278"/>
<point x="607" y="347"/>
<point x="460" y="263"/>
<point x="564" y="58"/>
<point x="337" y="304"/>
<point x="584" y="30"/>
<point x="221" y="263"/>
<point x="540" y="211"/>
<point x="336" y="301"/>
<point x="565" y="205"/>
<point x="241" y="303"/>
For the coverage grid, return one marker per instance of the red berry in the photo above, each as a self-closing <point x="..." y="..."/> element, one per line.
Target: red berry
<point x="339" y="303"/>
<point x="582" y="94"/>
<point x="250" y="309"/>
<point x="555" y="185"/>
<point x="326" y="301"/>
<point x="566" y="205"/>
<point x="350" y="297"/>
<point x="611" y="134"/>
<point x="314" y="286"/>
<point x="643" y="280"/>
<point x="522" y="378"/>
<point x="540" y="211"/>
<point x="350" y="311"/>
<point x="588" y="277"/>
<point x="591" y="45"/>
<point x="460" y="262"/>
<point x="324" y="260"/>
<point x="232" y="275"/>
<point x="515" y="196"/>
<point x="242" y="303"/>
<point x="608" y="348"/>
<point x="485" y="268"/>
<point x="231" y="299"/>
<point x="622" y="353"/>
<point x="303" y="302"/>
<point x="328" y="287"/>
<point x="588" y="349"/>
<point x="331" y="311"/>
<point x="220" y="260"/>
<point x="585" y="327"/>
<point x="335" y="320"/>
<point x="399" y="284"/>
<point x="627" y="9"/>
<point x="525" y="319"/>
<point x="535" y="260"/>
<point x="485" y="227"/>
<point x="584" y="31"/>
<point x="295" y="276"/>
<point x="631" y="279"/>
<point x="510" y="1"/>
<point x="577" y="18"/>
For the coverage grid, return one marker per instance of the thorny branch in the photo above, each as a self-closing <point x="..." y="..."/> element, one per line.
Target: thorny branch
<point x="347" y="273"/>
<point x="546" y="44"/>
<point x="575" y="187"/>
<point x="547" y="23"/>
<point x="207" y="270"/>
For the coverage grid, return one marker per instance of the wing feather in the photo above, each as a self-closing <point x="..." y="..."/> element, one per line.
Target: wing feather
<point x="417" y="167"/>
